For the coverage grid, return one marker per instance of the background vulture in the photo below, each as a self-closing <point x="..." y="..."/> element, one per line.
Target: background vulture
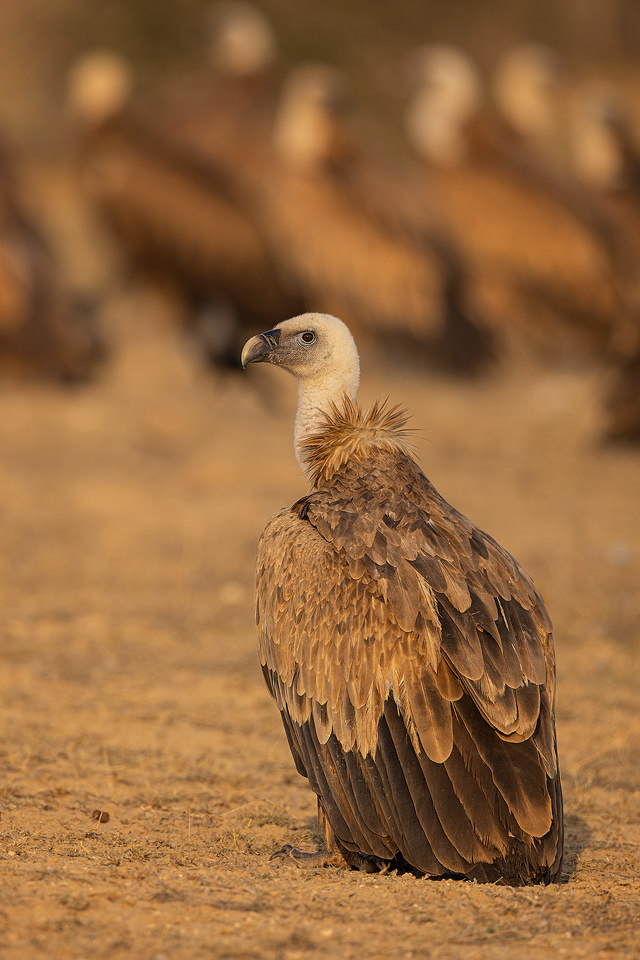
<point x="180" y="213"/>
<point x="44" y="329"/>
<point x="541" y="255"/>
<point x="348" y="234"/>
<point x="410" y="655"/>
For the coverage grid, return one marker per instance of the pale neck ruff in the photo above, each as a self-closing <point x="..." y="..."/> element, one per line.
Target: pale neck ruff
<point x="315" y="397"/>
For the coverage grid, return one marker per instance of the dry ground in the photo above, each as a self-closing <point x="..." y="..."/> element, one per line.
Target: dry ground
<point x="129" y="512"/>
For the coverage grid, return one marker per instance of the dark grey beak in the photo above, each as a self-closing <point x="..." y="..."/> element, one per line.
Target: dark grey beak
<point x="260" y="348"/>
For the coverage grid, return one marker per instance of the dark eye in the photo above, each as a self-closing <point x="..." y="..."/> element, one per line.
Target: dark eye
<point x="308" y="336"/>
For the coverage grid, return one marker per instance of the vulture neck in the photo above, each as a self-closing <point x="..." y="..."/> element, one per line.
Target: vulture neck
<point x="317" y="394"/>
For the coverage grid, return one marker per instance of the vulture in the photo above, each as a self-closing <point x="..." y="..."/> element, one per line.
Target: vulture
<point x="607" y="160"/>
<point x="44" y="329"/>
<point x="529" y="87"/>
<point x="410" y="655"/>
<point x="541" y="259"/>
<point x="622" y="402"/>
<point x="179" y="220"/>
<point x="224" y="119"/>
<point x="350" y="237"/>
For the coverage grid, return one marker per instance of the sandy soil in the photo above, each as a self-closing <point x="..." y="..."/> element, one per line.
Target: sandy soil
<point x="129" y="683"/>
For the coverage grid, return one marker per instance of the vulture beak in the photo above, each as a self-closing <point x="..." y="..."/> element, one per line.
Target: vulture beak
<point x="260" y="348"/>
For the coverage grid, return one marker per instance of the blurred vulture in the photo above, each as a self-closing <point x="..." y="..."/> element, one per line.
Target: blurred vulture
<point x="225" y="117"/>
<point x="541" y="257"/>
<point x="350" y="237"/>
<point x="183" y="222"/>
<point x="409" y="654"/>
<point x="622" y="411"/>
<point x="43" y="329"/>
<point x="529" y="92"/>
<point x="606" y="159"/>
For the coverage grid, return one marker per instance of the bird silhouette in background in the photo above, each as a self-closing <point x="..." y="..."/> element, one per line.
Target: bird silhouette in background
<point x="542" y="260"/>
<point x="180" y="220"/>
<point x="44" y="329"/>
<point x="350" y="237"/>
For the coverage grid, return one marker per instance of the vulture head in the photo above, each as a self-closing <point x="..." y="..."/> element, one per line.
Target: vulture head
<point x="313" y="347"/>
<point x="597" y="117"/>
<point x="242" y="43"/>
<point x="448" y="94"/>
<point x="320" y="352"/>
<point x="311" y="128"/>
<point x="526" y="84"/>
<point x="99" y="87"/>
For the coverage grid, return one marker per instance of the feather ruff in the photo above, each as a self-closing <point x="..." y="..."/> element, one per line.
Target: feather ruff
<point x="349" y="432"/>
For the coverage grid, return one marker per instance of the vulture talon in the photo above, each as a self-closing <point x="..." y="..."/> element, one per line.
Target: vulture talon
<point x="301" y="858"/>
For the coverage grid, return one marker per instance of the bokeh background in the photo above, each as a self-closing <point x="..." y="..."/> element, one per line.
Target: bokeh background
<point x="144" y="775"/>
<point x="40" y="39"/>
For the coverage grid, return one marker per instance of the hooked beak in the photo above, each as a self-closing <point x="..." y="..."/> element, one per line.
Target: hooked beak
<point x="260" y="348"/>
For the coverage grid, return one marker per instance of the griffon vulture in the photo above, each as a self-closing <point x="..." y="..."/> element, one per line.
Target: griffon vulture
<point x="607" y="160"/>
<point x="350" y="236"/>
<point x="224" y="117"/>
<point x="410" y="655"/>
<point x="44" y="329"/>
<point x="541" y="258"/>
<point x="181" y="221"/>
<point x="529" y="87"/>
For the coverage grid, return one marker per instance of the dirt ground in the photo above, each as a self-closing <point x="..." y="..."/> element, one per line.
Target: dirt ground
<point x="129" y="682"/>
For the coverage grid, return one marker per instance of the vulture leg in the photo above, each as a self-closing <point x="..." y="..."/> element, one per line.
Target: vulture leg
<point x="303" y="858"/>
<point x="365" y="862"/>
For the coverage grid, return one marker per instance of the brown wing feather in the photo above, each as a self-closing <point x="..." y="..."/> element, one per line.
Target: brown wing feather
<point x="422" y="688"/>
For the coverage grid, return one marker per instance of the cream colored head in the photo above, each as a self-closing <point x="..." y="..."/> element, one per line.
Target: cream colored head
<point x="242" y="42"/>
<point x="311" y="125"/>
<point x="526" y="84"/>
<point x="99" y="86"/>
<point x="320" y="352"/>
<point x="596" y="157"/>
<point x="448" y="94"/>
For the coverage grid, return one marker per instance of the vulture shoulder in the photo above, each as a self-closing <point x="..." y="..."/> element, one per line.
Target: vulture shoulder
<point x="404" y="641"/>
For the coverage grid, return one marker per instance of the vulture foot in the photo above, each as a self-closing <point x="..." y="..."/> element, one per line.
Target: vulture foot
<point x="322" y="858"/>
<point x="301" y="858"/>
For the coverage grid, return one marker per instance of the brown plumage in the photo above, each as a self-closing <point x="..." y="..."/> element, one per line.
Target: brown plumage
<point x="410" y="655"/>
<point x="350" y="238"/>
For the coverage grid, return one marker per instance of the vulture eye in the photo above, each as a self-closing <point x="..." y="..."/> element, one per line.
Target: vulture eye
<point x="308" y="336"/>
